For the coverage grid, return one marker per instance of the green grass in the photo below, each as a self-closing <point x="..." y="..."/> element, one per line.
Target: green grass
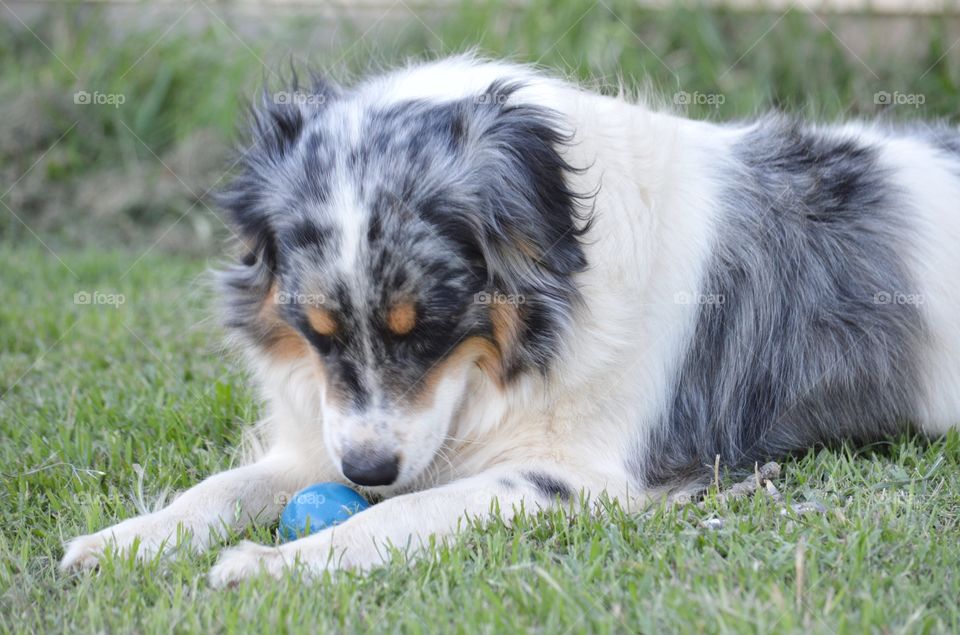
<point x="92" y="394"/>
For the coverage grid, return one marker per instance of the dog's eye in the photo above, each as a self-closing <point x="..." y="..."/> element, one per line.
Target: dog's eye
<point x="323" y="343"/>
<point x="322" y="330"/>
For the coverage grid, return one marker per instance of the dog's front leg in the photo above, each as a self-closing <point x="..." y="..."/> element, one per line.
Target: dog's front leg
<point x="225" y="501"/>
<point x="405" y="522"/>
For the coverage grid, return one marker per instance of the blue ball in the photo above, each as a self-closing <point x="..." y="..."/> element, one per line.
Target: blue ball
<point x="317" y="507"/>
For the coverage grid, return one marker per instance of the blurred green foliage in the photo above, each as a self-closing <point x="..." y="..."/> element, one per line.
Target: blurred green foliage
<point x="130" y="171"/>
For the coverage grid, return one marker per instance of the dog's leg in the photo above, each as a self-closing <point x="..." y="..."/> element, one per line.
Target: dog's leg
<point x="407" y="522"/>
<point x="202" y="514"/>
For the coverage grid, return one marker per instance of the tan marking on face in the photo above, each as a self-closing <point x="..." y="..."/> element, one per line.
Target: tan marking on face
<point x="474" y="350"/>
<point x="506" y="321"/>
<point x="281" y="341"/>
<point x="489" y="356"/>
<point x="402" y="318"/>
<point x="321" y="321"/>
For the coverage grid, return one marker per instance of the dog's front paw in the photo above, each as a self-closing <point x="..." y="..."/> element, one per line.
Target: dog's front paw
<point x="141" y="533"/>
<point x="83" y="552"/>
<point x="246" y="560"/>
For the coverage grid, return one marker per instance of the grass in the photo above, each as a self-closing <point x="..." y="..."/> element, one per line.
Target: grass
<point x="106" y="407"/>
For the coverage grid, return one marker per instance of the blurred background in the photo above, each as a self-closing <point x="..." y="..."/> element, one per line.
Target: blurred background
<point x="118" y="117"/>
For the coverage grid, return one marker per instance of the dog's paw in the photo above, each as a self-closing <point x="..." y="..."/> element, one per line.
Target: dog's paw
<point x="86" y="552"/>
<point x="83" y="553"/>
<point x="246" y="560"/>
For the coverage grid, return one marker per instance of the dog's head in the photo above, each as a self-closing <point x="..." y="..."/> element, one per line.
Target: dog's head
<point x="403" y="247"/>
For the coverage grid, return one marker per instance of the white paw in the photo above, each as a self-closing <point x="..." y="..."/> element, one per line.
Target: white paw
<point x="86" y="552"/>
<point x="83" y="552"/>
<point x="246" y="560"/>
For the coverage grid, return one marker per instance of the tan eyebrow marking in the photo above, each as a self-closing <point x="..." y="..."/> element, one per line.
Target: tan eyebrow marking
<point x="321" y="321"/>
<point x="402" y="318"/>
<point x="279" y="339"/>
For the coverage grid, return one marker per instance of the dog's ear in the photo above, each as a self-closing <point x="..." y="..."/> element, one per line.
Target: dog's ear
<point x="276" y="124"/>
<point x="533" y="221"/>
<point x="248" y="290"/>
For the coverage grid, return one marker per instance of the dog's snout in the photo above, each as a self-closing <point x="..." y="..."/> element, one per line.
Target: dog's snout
<point x="370" y="468"/>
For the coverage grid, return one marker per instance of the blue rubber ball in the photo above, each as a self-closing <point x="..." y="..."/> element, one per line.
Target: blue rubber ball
<point x="318" y="507"/>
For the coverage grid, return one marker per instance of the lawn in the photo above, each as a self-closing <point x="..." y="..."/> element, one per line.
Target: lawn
<point x="107" y="407"/>
<point x="115" y="390"/>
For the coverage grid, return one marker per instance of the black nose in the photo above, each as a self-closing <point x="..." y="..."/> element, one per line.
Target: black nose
<point x="370" y="468"/>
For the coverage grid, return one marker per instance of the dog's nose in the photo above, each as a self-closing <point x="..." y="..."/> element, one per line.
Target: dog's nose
<point x="370" y="468"/>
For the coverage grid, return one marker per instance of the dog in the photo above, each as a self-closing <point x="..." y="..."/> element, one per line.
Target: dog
<point x="467" y="286"/>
